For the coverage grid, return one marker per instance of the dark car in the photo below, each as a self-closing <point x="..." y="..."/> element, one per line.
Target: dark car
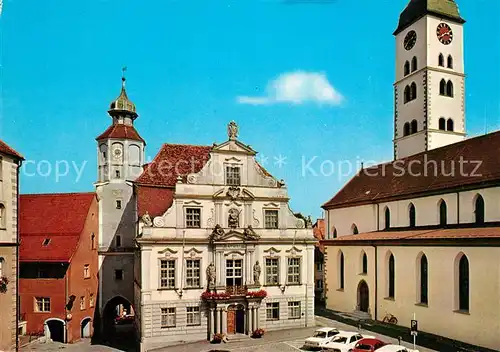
<point x="368" y="344"/>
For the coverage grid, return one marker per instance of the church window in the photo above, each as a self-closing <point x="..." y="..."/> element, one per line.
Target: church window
<point x="450" y="61"/>
<point x="414" y="65"/>
<point x="442" y="87"/>
<point x="271" y="219"/>
<point x="193" y="273"/>
<point x="449" y="89"/>
<point x="443" y="213"/>
<point x="233" y="175"/>
<point x="387" y="215"/>
<point x="449" y="125"/>
<point x="355" y="230"/>
<point x="193" y="217"/>
<point x="479" y="210"/>
<point x="364" y="267"/>
<point x="441" y="60"/>
<point x="118" y="204"/>
<point x="341" y="270"/>
<point x="272" y="271"/>
<point x="407" y="94"/>
<point x="167" y="273"/>
<point x="413" y="91"/>
<point x="414" y="127"/>
<point x="463" y="283"/>
<point x="406" y="129"/>
<point x="412" y="214"/>
<point x="424" y="280"/>
<point x="407" y="68"/>
<point x="442" y="124"/>
<point x="391" y="277"/>
<point x="293" y="273"/>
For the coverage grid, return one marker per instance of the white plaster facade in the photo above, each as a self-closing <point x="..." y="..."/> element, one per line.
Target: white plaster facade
<point x="168" y="238"/>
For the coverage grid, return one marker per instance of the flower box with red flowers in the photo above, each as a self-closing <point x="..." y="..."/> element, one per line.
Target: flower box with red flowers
<point x="258" y="333"/>
<point x="207" y="296"/>
<point x="257" y="294"/>
<point x="3" y="284"/>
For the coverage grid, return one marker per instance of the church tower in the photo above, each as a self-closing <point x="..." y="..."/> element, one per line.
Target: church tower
<point x="429" y="91"/>
<point x="120" y="154"/>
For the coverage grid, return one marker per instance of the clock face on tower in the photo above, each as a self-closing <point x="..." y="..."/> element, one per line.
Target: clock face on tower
<point x="410" y="40"/>
<point x="444" y="33"/>
<point x="117" y="153"/>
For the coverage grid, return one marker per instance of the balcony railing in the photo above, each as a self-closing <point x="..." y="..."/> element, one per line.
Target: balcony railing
<point x="236" y="290"/>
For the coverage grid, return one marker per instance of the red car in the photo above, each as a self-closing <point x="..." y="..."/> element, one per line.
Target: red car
<point x="368" y="344"/>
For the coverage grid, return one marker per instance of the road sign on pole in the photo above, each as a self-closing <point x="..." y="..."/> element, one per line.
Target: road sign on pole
<point x="414" y="330"/>
<point x="414" y="326"/>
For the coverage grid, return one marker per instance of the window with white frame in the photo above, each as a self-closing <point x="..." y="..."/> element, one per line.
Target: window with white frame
<point x="168" y="317"/>
<point x="86" y="271"/>
<point x="234" y="272"/>
<point x="273" y="311"/>
<point x="193" y="273"/>
<point x="193" y="315"/>
<point x="91" y="300"/>
<point x="271" y="219"/>
<point x="233" y="176"/>
<point x="167" y="274"/>
<point x="272" y="271"/>
<point x="82" y="302"/>
<point x="293" y="276"/>
<point x="294" y="310"/>
<point x="42" y="304"/>
<point x="193" y="217"/>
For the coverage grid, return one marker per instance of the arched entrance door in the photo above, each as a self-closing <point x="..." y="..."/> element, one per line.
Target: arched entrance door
<point x="118" y="321"/>
<point x="55" y="330"/>
<point x="85" y="328"/>
<point x="363" y="297"/>
<point x="236" y="319"/>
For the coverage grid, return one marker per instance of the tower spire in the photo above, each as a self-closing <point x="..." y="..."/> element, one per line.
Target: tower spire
<point x="122" y="104"/>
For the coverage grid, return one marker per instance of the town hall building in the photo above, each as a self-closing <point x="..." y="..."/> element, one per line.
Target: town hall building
<point x="420" y="236"/>
<point x="199" y="242"/>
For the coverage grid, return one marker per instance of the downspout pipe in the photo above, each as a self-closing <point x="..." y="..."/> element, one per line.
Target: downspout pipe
<point x="18" y="313"/>
<point x="376" y="283"/>
<point x="458" y="208"/>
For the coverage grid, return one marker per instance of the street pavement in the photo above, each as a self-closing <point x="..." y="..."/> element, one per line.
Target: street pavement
<point x="274" y="341"/>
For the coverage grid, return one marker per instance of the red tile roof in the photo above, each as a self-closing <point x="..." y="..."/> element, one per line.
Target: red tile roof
<point x="476" y="162"/>
<point x="413" y="235"/>
<point x="120" y="131"/>
<point x="58" y="217"/>
<point x="319" y="232"/>
<point x="4" y="148"/>
<point x="156" y="185"/>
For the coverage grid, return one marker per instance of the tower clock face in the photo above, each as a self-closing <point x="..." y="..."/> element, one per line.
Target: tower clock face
<point x="444" y="33"/>
<point x="410" y="40"/>
<point x="117" y="153"/>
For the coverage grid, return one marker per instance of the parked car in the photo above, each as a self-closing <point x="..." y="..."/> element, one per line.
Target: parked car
<point x="320" y="338"/>
<point x="368" y="344"/>
<point x="395" y="348"/>
<point x="344" y="341"/>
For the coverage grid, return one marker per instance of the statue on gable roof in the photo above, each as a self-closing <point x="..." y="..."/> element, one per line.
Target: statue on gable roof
<point x="250" y="233"/>
<point x="217" y="233"/>
<point x="232" y="130"/>
<point x="146" y="219"/>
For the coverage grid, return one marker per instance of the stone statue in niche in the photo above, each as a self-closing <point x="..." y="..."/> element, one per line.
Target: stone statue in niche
<point x="146" y="219"/>
<point x="256" y="273"/>
<point x="232" y="130"/>
<point x="217" y="233"/>
<point x="250" y="233"/>
<point x="233" y="220"/>
<point x="211" y="276"/>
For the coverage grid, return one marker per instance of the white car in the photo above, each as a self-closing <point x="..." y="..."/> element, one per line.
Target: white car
<point x="344" y="341"/>
<point x="395" y="348"/>
<point x="320" y="338"/>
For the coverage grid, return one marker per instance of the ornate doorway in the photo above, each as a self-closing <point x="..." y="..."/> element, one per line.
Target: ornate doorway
<point x="363" y="296"/>
<point x="236" y="319"/>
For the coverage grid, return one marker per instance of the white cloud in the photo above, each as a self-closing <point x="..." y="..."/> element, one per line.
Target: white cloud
<point x="297" y="88"/>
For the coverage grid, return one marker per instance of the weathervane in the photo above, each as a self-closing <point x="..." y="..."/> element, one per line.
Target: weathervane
<point x="124" y="68"/>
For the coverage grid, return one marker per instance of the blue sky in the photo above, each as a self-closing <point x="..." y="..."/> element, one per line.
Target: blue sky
<point x="191" y="64"/>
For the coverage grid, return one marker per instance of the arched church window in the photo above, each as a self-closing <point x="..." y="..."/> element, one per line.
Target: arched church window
<point x="413" y="91"/>
<point x="387" y="219"/>
<point x="441" y="60"/>
<point x="414" y="127"/>
<point x="463" y="283"/>
<point x="449" y="88"/>
<point x="406" y="129"/>
<point x="414" y="65"/>
<point x="443" y="213"/>
<point x="449" y="125"/>
<point x="479" y="209"/>
<point x="412" y="215"/>
<point x="407" y="68"/>
<point x="355" y="230"/>
<point x="407" y="95"/>
<point x="442" y="87"/>
<point x="450" y="61"/>
<point x="442" y="124"/>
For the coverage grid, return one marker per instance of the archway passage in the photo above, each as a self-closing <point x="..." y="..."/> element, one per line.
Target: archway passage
<point x="118" y="321"/>
<point x="363" y="297"/>
<point x="56" y="330"/>
<point x="85" y="328"/>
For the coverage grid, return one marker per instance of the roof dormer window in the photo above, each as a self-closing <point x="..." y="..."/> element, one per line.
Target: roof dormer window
<point x="46" y="242"/>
